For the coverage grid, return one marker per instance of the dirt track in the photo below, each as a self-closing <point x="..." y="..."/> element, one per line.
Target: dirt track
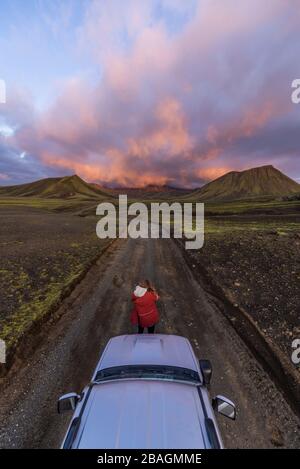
<point x="98" y="309"/>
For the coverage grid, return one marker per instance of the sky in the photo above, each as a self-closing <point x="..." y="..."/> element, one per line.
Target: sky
<point x="131" y="92"/>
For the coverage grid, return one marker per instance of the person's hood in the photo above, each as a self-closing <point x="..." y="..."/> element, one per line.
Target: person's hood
<point x="139" y="291"/>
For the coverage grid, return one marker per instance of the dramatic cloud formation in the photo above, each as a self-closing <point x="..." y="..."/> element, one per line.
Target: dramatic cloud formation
<point x="176" y="92"/>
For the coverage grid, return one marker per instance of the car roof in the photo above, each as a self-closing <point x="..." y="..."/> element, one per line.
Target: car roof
<point x="142" y="414"/>
<point x="148" y="349"/>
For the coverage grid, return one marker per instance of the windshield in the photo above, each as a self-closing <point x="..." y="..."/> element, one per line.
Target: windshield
<point x="162" y="372"/>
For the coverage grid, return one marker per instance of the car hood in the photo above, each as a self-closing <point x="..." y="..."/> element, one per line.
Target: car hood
<point x="148" y="349"/>
<point x="142" y="414"/>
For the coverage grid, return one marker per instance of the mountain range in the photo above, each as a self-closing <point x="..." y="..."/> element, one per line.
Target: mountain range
<point x="235" y="185"/>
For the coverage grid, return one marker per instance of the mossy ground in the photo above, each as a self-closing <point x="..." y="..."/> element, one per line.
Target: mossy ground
<point x="57" y="205"/>
<point x="42" y="254"/>
<point x="253" y="207"/>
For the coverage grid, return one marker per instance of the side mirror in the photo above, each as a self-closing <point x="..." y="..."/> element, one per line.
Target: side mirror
<point x="206" y="370"/>
<point x="224" y="407"/>
<point x="67" y="402"/>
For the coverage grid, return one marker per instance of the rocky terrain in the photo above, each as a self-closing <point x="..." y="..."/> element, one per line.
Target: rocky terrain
<point x="257" y="266"/>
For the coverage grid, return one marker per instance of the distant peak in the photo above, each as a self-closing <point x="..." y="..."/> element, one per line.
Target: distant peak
<point x="253" y="182"/>
<point x="251" y="170"/>
<point x="73" y="177"/>
<point x="266" y="166"/>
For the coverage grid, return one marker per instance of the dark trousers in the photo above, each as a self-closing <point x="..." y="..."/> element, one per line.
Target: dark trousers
<point x="150" y="329"/>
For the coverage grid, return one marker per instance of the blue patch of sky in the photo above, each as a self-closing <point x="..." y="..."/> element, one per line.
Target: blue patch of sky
<point x="37" y="47"/>
<point x="38" y="41"/>
<point x="175" y="15"/>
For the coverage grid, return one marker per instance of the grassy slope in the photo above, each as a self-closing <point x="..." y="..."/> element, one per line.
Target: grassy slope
<point x="255" y="182"/>
<point x="64" y="188"/>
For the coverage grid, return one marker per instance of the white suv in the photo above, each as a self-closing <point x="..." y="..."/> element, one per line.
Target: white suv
<point x="148" y="391"/>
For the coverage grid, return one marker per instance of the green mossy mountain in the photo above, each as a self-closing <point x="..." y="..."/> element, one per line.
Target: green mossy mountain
<point x="68" y="187"/>
<point x="251" y="183"/>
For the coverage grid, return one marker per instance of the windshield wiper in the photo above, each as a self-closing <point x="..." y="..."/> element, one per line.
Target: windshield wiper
<point x="174" y="373"/>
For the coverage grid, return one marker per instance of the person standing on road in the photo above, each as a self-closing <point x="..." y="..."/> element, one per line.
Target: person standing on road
<point x="145" y="312"/>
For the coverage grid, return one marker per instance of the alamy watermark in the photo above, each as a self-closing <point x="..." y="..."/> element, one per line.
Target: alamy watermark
<point x="2" y="92"/>
<point x="295" y="96"/>
<point x="153" y="220"/>
<point x="296" y="353"/>
<point x="2" y="351"/>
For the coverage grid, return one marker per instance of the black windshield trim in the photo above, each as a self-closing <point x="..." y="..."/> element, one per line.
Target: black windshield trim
<point x="163" y="372"/>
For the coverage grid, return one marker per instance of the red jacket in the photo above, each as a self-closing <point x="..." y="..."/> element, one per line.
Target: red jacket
<point x="145" y="312"/>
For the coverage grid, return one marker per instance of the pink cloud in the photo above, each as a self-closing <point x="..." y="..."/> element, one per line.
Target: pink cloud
<point x="168" y="104"/>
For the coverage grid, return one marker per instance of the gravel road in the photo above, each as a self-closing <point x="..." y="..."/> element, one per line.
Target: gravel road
<point x="97" y="309"/>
